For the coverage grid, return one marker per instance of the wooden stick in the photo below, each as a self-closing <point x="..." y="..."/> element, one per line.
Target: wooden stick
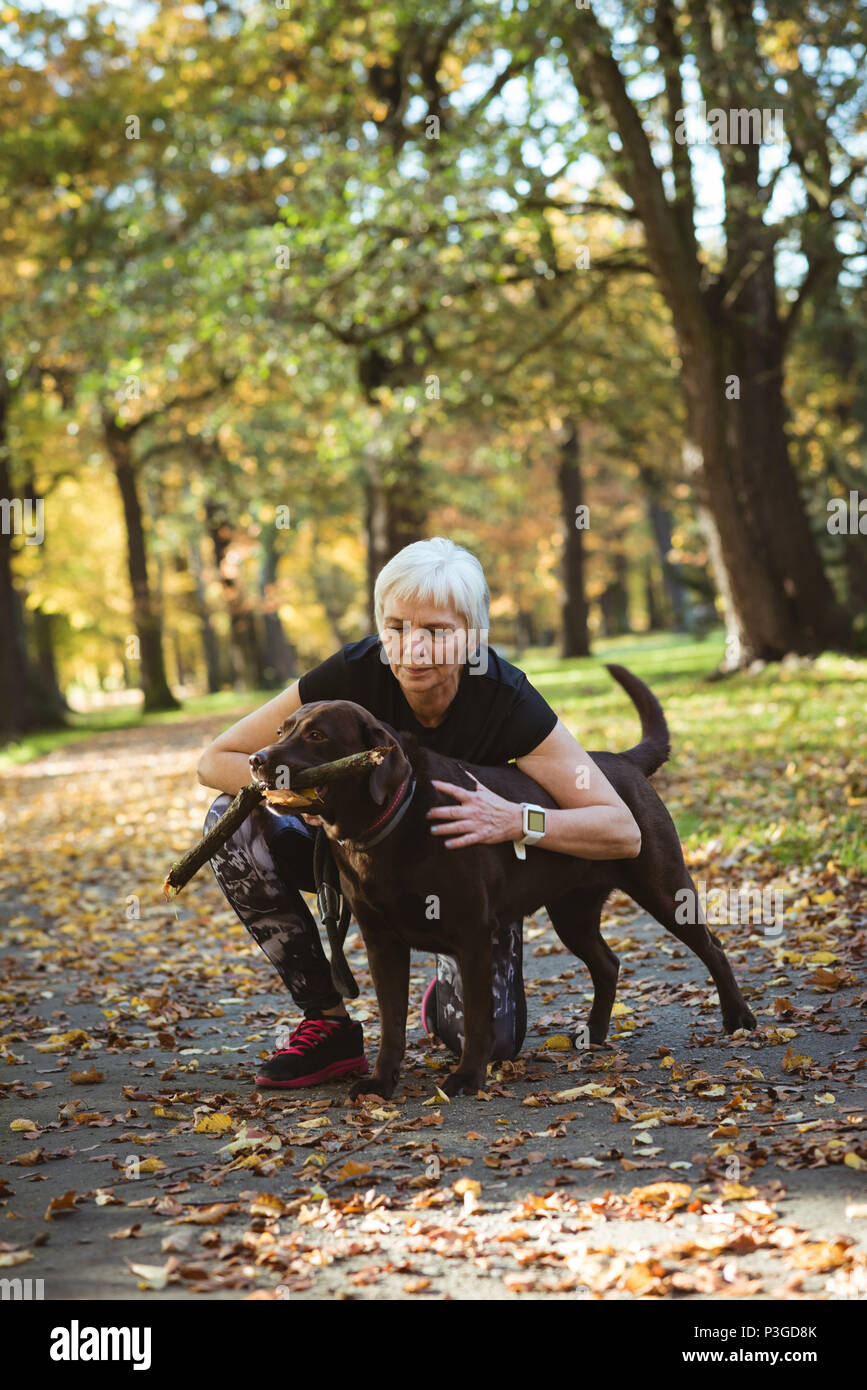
<point x="250" y="796"/>
<point x="237" y="812"/>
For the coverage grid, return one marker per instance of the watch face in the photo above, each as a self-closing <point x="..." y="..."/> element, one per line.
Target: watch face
<point x="536" y="822"/>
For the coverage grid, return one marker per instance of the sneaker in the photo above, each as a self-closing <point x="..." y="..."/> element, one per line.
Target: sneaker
<point x="429" y="1009"/>
<point x="321" y="1047"/>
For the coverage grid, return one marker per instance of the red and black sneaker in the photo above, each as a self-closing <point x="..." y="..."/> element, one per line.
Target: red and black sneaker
<point x="321" y="1047"/>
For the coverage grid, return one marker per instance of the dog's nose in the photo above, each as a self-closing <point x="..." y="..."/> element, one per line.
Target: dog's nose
<point x="257" y="763"/>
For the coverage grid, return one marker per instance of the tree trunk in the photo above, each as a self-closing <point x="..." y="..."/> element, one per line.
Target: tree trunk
<point x="575" y="633"/>
<point x="675" y="594"/>
<point x="27" y="701"/>
<point x="655" y="618"/>
<point x="280" y="663"/>
<point x="614" y="602"/>
<point x="396" y="511"/>
<point x="210" y="649"/>
<point x="764" y="556"/>
<point x="395" y="494"/>
<point x="44" y="625"/>
<point x="157" y="695"/>
<point x="243" y="646"/>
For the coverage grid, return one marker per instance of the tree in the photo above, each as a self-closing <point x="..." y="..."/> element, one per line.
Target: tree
<point x="726" y="311"/>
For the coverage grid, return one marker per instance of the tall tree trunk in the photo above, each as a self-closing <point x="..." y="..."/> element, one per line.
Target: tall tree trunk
<point x="44" y="625"/>
<point x="280" y="663"/>
<point x="655" y="619"/>
<point x="660" y="525"/>
<point x="396" y="510"/>
<point x="614" y="601"/>
<point x="764" y="556"/>
<point x="575" y="633"/>
<point x="396" y="503"/>
<point x="210" y="650"/>
<point x="157" y="695"/>
<point x="44" y="673"/>
<point x="243" y="652"/>
<point x="27" y="700"/>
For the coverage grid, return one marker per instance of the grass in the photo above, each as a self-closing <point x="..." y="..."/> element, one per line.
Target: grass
<point x="764" y="767"/>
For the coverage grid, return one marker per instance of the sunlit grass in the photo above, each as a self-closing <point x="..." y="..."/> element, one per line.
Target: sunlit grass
<point x="766" y="765"/>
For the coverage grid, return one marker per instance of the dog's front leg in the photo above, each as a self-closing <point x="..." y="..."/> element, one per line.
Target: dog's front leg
<point x="389" y="967"/>
<point x="476" y="967"/>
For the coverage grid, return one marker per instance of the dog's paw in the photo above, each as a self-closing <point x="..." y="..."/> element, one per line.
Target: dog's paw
<point x="462" y="1082"/>
<point x="372" y="1086"/>
<point x="740" y="1018"/>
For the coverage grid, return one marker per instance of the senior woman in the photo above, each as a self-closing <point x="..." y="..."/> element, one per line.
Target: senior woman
<point x="428" y="670"/>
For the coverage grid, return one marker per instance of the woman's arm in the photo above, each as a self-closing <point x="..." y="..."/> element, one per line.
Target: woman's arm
<point x="594" y="822"/>
<point x="225" y="763"/>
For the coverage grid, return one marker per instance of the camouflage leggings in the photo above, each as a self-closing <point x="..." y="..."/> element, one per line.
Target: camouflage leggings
<point x="260" y="870"/>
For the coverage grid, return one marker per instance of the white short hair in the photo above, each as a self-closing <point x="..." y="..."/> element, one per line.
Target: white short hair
<point x="438" y="572"/>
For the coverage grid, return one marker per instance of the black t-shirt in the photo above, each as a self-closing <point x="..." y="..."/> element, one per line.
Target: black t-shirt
<point x="494" y="717"/>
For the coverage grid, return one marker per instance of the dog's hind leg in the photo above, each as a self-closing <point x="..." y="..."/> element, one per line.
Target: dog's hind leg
<point x="576" y="918"/>
<point x="679" y="898"/>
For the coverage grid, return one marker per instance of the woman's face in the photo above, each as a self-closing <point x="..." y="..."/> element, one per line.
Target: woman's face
<point x="426" y="646"/>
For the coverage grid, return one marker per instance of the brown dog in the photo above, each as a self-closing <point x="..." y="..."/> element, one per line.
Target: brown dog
<point x="407" y="891"/>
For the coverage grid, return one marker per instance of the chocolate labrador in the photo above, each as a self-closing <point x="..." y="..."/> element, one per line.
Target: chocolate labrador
<point x="407" y="891"/>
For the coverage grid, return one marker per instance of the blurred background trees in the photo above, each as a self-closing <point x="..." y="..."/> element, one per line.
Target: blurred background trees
<point x="283" y="289"/>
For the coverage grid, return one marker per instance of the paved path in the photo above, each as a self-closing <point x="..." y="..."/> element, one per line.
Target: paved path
<point x="674" y="1163"/>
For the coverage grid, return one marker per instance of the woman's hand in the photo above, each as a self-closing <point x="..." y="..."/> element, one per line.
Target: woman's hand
<point x="480" y="817"/>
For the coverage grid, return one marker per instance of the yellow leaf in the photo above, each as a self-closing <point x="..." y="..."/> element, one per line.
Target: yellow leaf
<point x="151" y="1165"/>
<point x="591" y="1089"/>
<point x="853" y="1160"/>
<point x="659" y="1194"/>
<point x="60" y="1204"/>
<point x="620" y="1010"/>
<point x="351" y="1169"/>
<point x="558" y="1043"/>
<point x="14" y="1257"/>
<point x="85" y="1078"/>
<point x="794" y="1061"/>
<point x="736" y="1192"/>
<point x="213" y="1124"/>
<point x="438" y="1098"/>
<point x="468" y="1185"/>
<point x="59" y="1042"/>
<point x="23" y="1125"/>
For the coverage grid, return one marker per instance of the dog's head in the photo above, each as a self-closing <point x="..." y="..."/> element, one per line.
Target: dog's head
<point x="322" y="732"/>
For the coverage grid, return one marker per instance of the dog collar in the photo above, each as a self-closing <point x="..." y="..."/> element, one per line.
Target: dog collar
<point x="390" y="815"/>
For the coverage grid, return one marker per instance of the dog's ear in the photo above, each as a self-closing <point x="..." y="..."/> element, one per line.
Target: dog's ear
<point x="381" y="779"/>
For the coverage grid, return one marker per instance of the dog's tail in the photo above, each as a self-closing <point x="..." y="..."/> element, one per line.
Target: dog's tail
<point x="655" y="745"/>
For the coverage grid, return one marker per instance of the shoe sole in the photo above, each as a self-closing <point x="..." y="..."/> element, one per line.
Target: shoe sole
<point x="346" y="1068"/>
<point x="426" y="1021"/>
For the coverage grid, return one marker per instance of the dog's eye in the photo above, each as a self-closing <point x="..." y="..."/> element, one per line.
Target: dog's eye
<point x="313" y="733"/>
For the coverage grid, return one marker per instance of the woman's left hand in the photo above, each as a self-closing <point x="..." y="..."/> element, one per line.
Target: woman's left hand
<point x="480" y="817"/>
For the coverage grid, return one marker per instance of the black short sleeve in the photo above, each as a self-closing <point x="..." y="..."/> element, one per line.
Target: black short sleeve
<point x="327" y="681"/>
<point x="532" y="720"/>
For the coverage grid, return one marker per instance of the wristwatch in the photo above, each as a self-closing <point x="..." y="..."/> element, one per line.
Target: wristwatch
<point x="533" y="825"/>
